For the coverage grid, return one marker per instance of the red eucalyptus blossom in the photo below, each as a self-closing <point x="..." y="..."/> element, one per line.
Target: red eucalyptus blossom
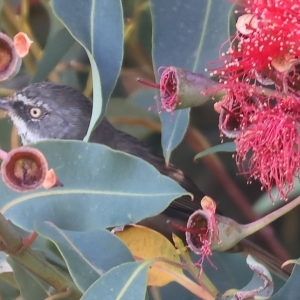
<point x="266" y="130"/>
<point x="274" y="140"/>
<point x="265" y="50"/>
<point x="267" y="42"/>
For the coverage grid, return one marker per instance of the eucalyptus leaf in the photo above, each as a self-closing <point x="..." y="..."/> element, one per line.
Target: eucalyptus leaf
<point x="264" y="206"/>
<point x="6" y="127"/>
<point x="291" y="289"/>
<point x="102" y="188"/>
<point x="0" y="9"/>
<point x="188" y="35"/>
<point x="88" y="254"/>
<point x="173" y="130"/>
<point x="225" y="147"/>
<point x="261" y="285"/>
<point x="56" y="48"/>
<point x="145" y="100"/>
<point x="100" y="32"/>
<point x="4" y="266"/>
<point x="55" y="24"/>
<point x="136" y="107"/>
<point x="7" y="292"/>
<point x="31" y="287"/>
<point x="7" y="276"/>
<point x="127" y="281"/>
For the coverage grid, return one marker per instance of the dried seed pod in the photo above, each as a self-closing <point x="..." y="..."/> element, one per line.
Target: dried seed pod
<point x="181" y="89"/>
<point x="10" y="62"/>
<point x="198" y="230"/>
<point x="205" y="234"/>
<point x="24" y="169"/>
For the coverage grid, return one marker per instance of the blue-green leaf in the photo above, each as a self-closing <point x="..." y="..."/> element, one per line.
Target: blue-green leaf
<point x="102" y="188"/>
<point x="225" y="147"/>
<point x="127" y="281"/>
<point x="7" y="291"/>
<point x="98" y="26"/>
<point x="173" y="130"/>
<point x="291" y="290"/>
<point x="56" y="48"/>
<point x="88" y="254"/>
<point x="31" y="287"/>
<point x="186" y="34"/>
<point x="260" y="286"/>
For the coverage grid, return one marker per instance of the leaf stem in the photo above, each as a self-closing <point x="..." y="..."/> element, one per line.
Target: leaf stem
<point x="193" y="270"/>
<point x="12" y="244"/>
<point x="266" y="220"/>
<point x="190" y="285"/>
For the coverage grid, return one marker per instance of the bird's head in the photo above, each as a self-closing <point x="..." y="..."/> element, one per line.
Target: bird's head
<point x="48" y="111"/>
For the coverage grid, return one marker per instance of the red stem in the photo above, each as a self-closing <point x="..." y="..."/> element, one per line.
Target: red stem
<point x="148" y="83"/>
<point x="202" y="230"/>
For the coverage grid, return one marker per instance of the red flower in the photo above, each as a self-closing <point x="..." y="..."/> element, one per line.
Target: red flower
<point x="267" y="40"/>
<point x="265" y="50"/>
<point x="267" y="129"/>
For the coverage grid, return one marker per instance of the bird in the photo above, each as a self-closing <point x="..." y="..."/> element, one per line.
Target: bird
<point x="48" y="110"/>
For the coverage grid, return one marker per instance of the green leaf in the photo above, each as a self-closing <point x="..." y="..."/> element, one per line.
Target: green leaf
<point x="291" y="290"/>
<point x="7" y="278"/>
<point x="56" y="48"/>
<point x="225" y="147"/>
<point x="5" y="136"/>
<point x="31" y="287"/>
<point x="4" y="266"/>
<point x="0" y="11"/>
<point x="100" y="32"/>
<point x="188" y="35"/>
<point x="7" y="292"/>
<point x="102" y="188"/>
<point x="88" y="254"/>
<point x="144" y="98"/>
<point x="260" y="286"/>
<point x="173" y="130"/>
<point x="127" y="281"/>
<point x="136" y="106"/>
<point x="264" y="206"/>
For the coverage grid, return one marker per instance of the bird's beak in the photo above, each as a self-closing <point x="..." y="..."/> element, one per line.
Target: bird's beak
<point x="6" y="105"/>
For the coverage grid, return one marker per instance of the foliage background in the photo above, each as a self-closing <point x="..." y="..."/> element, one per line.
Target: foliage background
<point x="156" y="33"/>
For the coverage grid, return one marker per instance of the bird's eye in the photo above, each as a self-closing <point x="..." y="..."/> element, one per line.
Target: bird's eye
<point x="35" y="112"/>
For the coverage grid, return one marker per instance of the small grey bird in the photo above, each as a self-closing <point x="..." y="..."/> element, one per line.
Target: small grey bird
<point x="52" y="111"/>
